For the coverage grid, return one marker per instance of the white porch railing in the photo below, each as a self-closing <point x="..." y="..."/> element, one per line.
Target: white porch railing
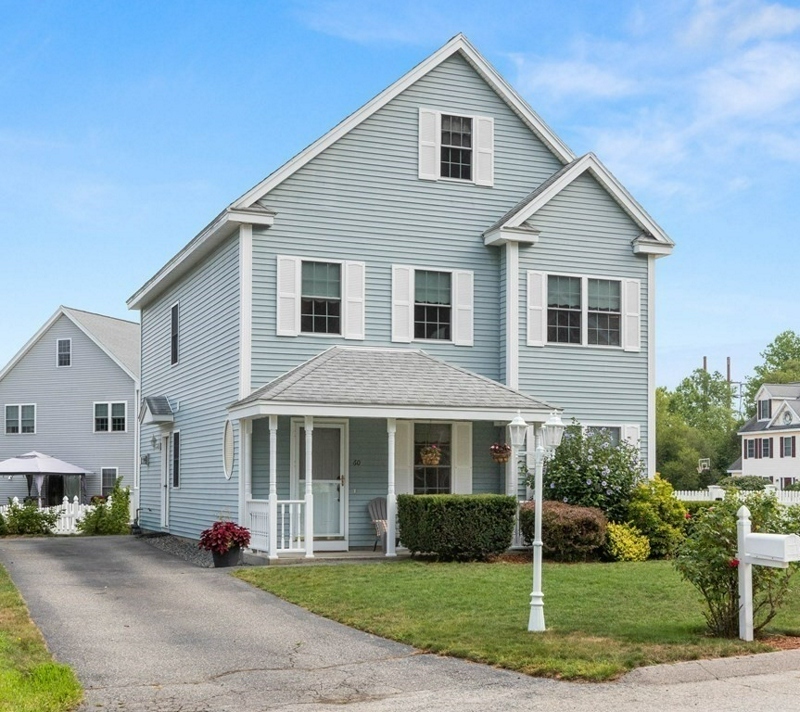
<point x="69" y="513"/>
<point x="290" y="538"/>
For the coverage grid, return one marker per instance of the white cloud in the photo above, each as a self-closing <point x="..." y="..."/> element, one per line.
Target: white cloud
<point x="571" y="78"/>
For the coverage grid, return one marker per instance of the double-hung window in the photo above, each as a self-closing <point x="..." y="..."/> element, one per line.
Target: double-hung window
<point x="432" y="475"/>
<point x="174" y="327"/>
<point x="176" y="459"/>
<point x="110" y="417"/>
<point x="456" y="147"/>
<point x="321" y="298"/>
<point x="109" y="477"/>
<point x="788" y="446"/>
<point x="21" y="419"/>
<point x="766" y="447"/>
<point x="764" y="409"/>
<point x="432" y="305"/>
<point x="583" y="311"/>
<point x="614" y="432"/>
<point x="64" y="352"/>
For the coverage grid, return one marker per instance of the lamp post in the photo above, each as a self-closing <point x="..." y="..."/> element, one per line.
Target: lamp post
<point x="549" y="440"/>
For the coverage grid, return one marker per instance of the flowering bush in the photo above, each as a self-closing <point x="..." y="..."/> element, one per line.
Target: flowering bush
<point x="589" y="471"/>
<point x="624" y="542"/>
<point x="223" y="536"/>
<point x="655" y="512"/>
<point x="707" y="559"/>
<point x="500" y="449"/>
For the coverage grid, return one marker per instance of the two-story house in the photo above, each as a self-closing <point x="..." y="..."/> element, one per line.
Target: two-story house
<point x="770" y="437"/>
<point x="71" y="392"/>
<point x="437" y="262"/>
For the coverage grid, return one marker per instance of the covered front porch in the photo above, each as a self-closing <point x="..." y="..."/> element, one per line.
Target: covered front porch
<point x="320" y="443"/>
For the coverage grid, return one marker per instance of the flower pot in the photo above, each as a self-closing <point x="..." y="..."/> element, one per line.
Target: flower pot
<point x="229" y="558"/>
<point x="430" y="460"/>
<point x="502" y="459"/>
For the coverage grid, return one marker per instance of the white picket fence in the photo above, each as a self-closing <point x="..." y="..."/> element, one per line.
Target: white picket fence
<point x="69" y="513"/>
<point x="714" y="493"/>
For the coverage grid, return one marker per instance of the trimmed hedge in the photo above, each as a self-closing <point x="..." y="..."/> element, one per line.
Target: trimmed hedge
<point x="569" y="532"/>
<point x="456" y="527"/>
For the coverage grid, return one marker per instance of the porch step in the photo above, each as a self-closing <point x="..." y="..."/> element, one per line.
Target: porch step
<point x="323" y="558"/>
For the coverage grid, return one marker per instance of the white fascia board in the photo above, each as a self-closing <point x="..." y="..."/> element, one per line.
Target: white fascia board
<point x="459" y="43"/>
<point x="651" y="248"/>
<point x="324" y="410"/>
<point x="224" y="225"/>
<point x="502" y="235"/>
<point x="31" y="342"/>
<point x="624" y="199"/>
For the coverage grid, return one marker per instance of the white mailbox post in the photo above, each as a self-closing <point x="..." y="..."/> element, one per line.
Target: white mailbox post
<point x="775" y="550"/>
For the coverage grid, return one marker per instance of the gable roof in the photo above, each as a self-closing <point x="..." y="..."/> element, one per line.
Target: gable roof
<point x="780" y="390"/>
<point x="389" y="382"/>
<point x="118" y="338"/>
<point x="653" y="240"/>
<point x="237" y="212"/>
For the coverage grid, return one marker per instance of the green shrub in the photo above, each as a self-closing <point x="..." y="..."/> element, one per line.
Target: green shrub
<point x="655" y="512"/>
<point x="746" y="483"/>
<point x="456" y="527"/>
<point x="29" y="519"/>
<point x="569" y="532"/>
<point x="589" y="471"/>
<point x="624" y="542"/>
<point x="707" y="559"/>
<point x="693" y="511"/>
<point x="3" y="528"/>
<point x="105" y="519"/>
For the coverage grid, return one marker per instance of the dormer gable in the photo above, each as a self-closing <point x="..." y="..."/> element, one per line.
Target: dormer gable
<point x="786" y="414"/>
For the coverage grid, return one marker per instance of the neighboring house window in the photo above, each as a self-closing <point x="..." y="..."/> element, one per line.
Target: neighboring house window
<point x="321" y="298"/>
<point x="749" y="448"/>
<point x="432" y="478"/>
<point x="176" y="459"/>
<point x="432" y="305"/>
<point x="64" y="352"/>
<point x="21" y="419"/>
<point x="614" y="432"/>
<point x="109" y="478"/>
<point x="456" y="147"/>
<point x="764" y="409"/>
<point x="766" y="447"/>
<point x="788" y="446"/>
<point x="583" y="311"/>
<point x="110" y="417"/>
<point x="173" y="335"/>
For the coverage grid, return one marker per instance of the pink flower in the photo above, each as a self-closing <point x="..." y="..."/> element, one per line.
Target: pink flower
<point x="688" y="515"/>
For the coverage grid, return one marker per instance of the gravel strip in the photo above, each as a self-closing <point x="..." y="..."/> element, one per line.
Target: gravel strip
<point x="185" y="549"/>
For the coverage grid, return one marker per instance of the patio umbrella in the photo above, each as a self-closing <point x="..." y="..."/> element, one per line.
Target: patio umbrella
<point x="37" y="465"/>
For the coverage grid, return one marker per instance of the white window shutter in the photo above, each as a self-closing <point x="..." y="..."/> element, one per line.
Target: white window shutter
<point x="354" y="288"/>
<point x="402" y="303"/>
<point x="463" y="297"/>
<point x="462" y="458"/>
<point x="537" y="308"/>
<point x="632" y="315"/>
<point x="484" y="150"/>
<point x="630" y="432"/>
<point x="404" y="457"/>
<point x="429" y="122"/>
<point x="289" y="279"/>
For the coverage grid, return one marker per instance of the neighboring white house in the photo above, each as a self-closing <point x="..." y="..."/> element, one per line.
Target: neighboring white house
<point x="72" y="392"/>
<point x="770" y="438"/>
<point x="435" y="263"/>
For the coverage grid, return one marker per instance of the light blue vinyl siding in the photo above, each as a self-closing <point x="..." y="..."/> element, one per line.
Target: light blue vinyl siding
<point x="362" y="199"/>
<point x="584" y="231"/>
<point x="200" y="386"/>
<point x="64" y="400"/>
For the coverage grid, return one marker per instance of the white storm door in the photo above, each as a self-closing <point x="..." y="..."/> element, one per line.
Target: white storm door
<point x="328" y="482"/>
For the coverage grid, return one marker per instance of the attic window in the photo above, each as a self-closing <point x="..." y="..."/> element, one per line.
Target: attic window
<point x="764" y="409"/>
<point x="64" y="352"/>
<point x="456" y="147"/>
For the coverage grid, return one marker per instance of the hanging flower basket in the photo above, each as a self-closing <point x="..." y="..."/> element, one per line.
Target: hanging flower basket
<point x="501" y="452"/>
<point x="430" y="455"/>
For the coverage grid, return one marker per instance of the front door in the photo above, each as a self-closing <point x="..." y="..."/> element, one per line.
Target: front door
<point x="328" y="482"/>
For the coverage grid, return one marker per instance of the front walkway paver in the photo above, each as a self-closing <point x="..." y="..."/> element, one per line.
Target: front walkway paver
<point x="145" y="631"/>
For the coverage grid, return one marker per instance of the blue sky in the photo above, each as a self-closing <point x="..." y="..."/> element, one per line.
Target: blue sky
<point x="126" y="127"/>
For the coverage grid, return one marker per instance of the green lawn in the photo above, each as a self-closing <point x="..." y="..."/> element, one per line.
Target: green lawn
<point x="602" y="619"/>
<point x="29" y="679"/>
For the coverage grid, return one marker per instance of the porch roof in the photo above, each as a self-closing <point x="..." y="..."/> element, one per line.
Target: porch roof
<point x="387" y="383"/>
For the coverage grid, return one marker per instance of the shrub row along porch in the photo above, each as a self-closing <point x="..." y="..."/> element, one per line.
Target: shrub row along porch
<point x="352" y="424"/>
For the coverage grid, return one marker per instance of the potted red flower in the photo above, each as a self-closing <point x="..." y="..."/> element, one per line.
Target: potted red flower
<point x="225" y="541"/>
<point x="500" y="452"/>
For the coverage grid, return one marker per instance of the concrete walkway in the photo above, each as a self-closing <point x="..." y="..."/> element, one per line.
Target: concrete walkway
<point x="145" y="631"/>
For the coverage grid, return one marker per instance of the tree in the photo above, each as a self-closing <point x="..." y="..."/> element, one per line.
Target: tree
<point x="704" y="401"/>
<point x="781" y="365"/>
<point x="679" y="446"/>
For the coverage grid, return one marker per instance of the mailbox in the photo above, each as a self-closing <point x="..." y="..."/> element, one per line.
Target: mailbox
<point x="771" y="549"/>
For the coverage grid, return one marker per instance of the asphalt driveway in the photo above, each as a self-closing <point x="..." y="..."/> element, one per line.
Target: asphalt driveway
<point x="146" y="631"/>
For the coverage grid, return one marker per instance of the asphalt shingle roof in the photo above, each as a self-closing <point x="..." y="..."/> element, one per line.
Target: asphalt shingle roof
<point x="119" y="337"/>
<point x="389" y="377"/>
<point x="159" y="405"/>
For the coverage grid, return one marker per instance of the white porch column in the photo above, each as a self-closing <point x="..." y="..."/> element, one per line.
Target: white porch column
<point x="272" y="553"/>
<point x="245" y="470"/>
<point x="391" y="495"/>
<point x="309" y="529"/>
